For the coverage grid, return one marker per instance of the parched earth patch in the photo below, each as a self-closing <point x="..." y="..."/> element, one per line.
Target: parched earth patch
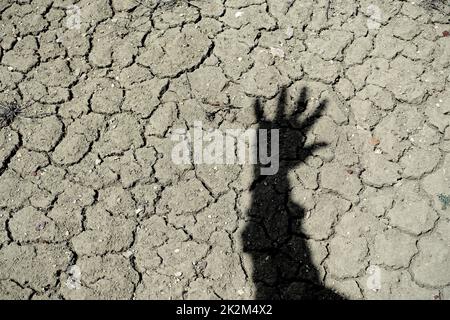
<point x="93" y="205"/>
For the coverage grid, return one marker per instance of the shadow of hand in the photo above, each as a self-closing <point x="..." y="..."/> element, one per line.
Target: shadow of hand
<point x="280" y="255"/>
<point x="292" y="128"/>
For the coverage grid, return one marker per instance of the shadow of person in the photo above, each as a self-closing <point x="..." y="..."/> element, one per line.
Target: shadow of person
<point x="282" y="266"/>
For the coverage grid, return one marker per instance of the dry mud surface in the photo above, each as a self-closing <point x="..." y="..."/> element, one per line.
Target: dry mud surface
<point x="91" y="205"/>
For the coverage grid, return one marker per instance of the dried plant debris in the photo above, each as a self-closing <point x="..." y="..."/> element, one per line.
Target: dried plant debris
<point x="439" y="5"/>
<point x="163" y="4"/>
<point x="8" y="112"/>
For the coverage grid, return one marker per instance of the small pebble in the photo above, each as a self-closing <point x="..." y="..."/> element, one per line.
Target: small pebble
<point x="277" y="52"/>
<point x="127" y="253"/>
<point x="289" y="32"/>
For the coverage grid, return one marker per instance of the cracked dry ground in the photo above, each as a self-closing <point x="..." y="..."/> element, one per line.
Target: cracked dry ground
<point x="86" y="177"/>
